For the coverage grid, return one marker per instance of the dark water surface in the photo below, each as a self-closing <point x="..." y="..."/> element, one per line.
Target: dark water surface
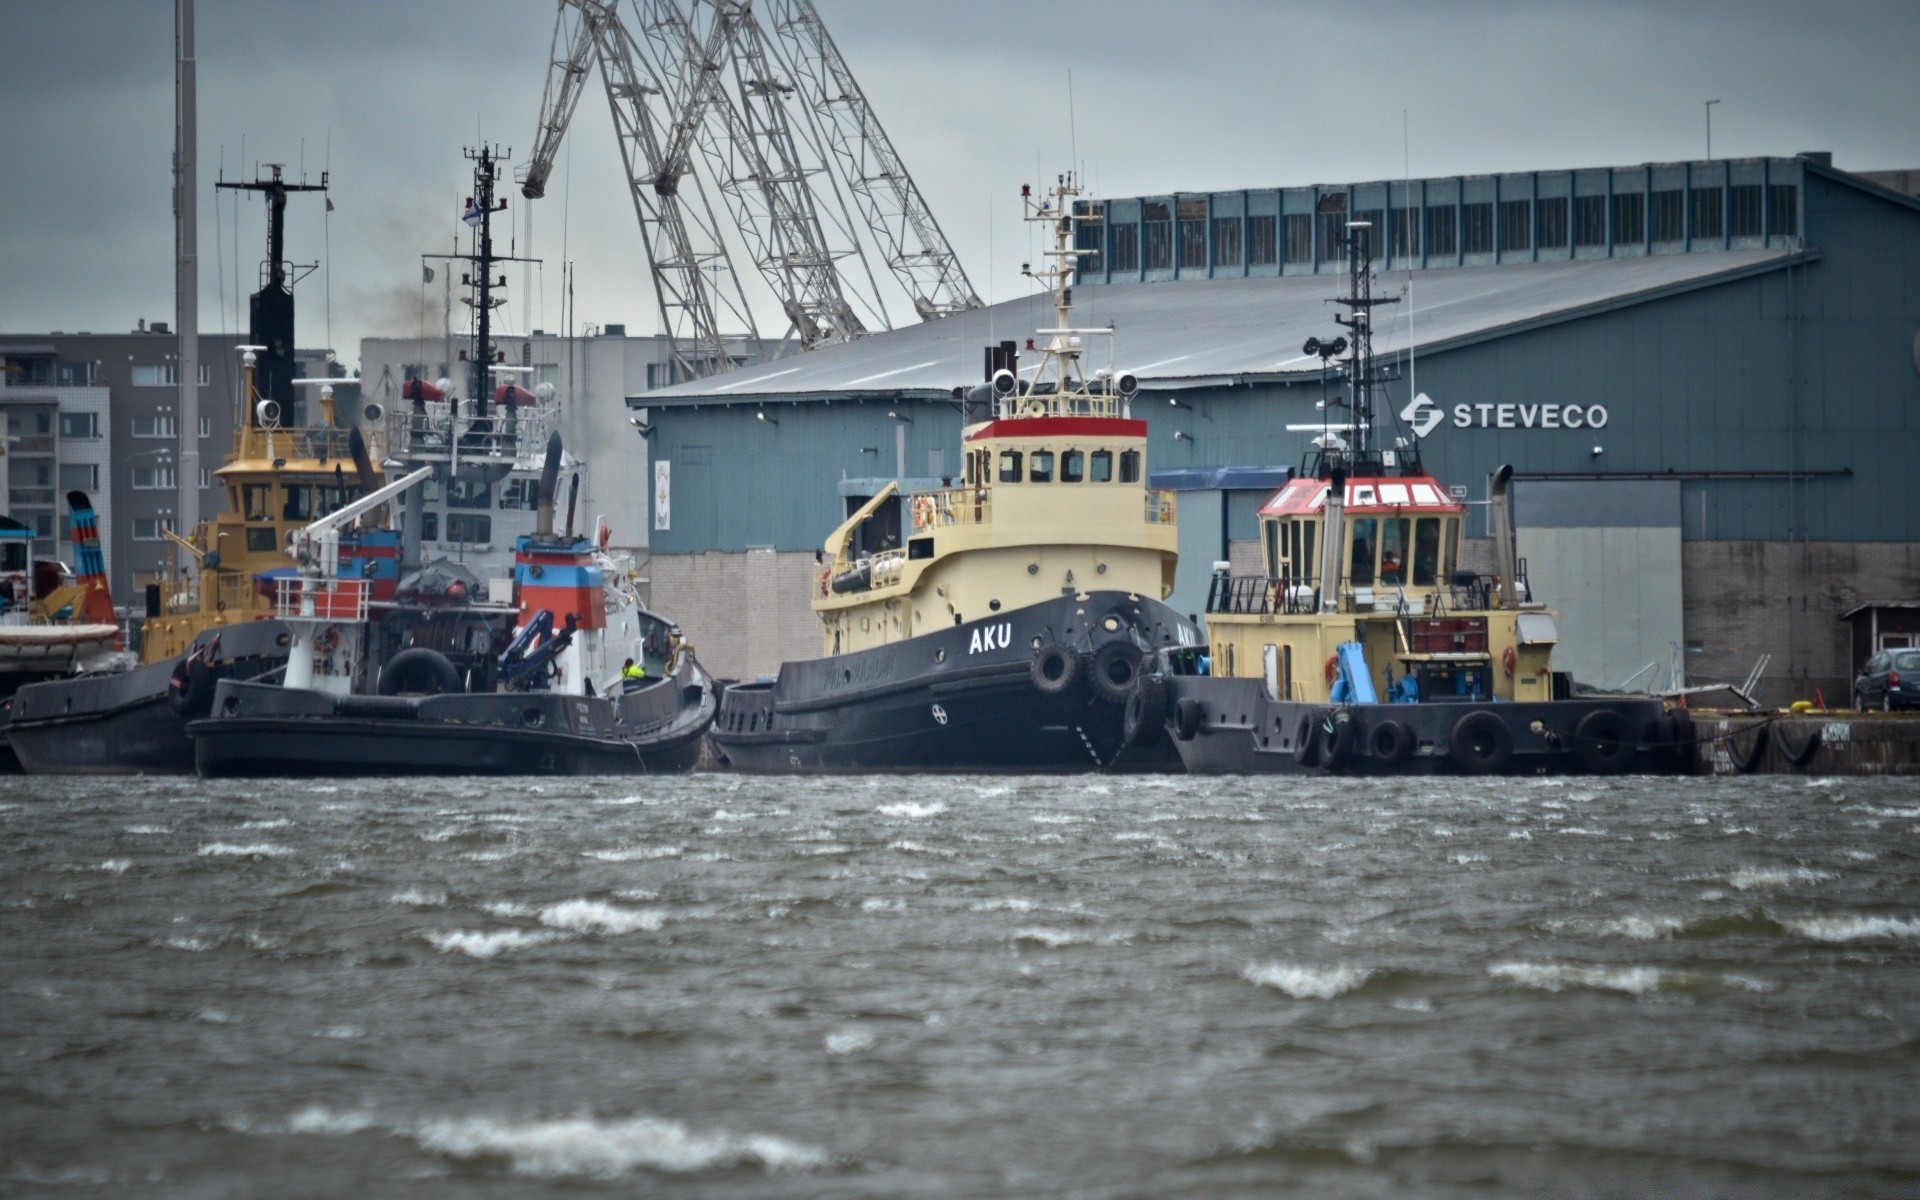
<point x="728" y="987"/>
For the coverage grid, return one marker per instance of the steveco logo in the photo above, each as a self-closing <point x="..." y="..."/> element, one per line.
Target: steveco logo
<point x="1424" y="416"/>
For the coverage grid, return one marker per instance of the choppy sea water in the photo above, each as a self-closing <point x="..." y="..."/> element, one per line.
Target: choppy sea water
<point x="1093" y="987"/>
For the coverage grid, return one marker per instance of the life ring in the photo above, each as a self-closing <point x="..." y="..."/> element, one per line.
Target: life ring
<point x="1116" y="668"/>
<point x="1336" y="741"/>
<point x="1480" y="744"/>
<point x="327" y="642"/>
<point x="922" y="511"/>
<point x="1145" y="718"/>
<point x="1603" y="742"/>
<point x="1509" y="658"/>
<point x="826" y="574"/>
<point x="1055" y="670"/>
<point x="1390" y="743"/>
<point x="1333" y="668"/>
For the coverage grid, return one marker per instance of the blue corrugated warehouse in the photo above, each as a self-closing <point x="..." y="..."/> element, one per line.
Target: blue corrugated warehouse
<point x="1707" y="375"/>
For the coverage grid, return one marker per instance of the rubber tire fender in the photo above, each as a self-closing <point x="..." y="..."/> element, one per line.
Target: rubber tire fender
<point x="1145" y="719"/>
<point x="1055" y="670"/>
<point x="1480" y="744"/>
<point x="1336" y="739"/>
<point x="1801" y="757"/>
<point x="1390" y="743"/>
<point x="420" y="671"/>
<point x="1186" y="718"/>
<point x="1603" y="742"/>
<point x="1115" y="658"/>
<point x="1748" y="763"/>
<point x="190" y="687"/>
<point x="1306" y="741"/>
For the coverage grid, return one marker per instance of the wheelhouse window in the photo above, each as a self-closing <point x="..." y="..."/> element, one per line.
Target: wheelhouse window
<point x="1276" y="551"/>
<point x="1102" y="466"/>
<point x="1042" y="462"/>
<point x="1073" y="466"/>
<point x="255" y="499"/>
<point x="1129" y="466"/>
<point x="1009" y="466"/>
<point x="1426" y="551"/>
<point x="1366" y="535"/>
<point x="299" y="505"/>
<point x="1300" y="549"/>
<point x="1393" y="550"/>
<point x="469" y="493"/>
<point x="430" y="527"/>
<point x="469" y="528"/>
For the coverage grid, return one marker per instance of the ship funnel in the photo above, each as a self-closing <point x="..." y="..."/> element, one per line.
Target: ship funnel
<point x="549" y="481"/>
<point x="1500" y="513"/>
<point x="362" y="461"/>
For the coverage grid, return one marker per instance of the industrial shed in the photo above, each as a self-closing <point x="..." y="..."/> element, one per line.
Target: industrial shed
<point x="1721" y="359"/>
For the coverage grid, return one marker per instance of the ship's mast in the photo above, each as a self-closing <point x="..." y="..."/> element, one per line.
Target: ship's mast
<point x="270" y="312"/>
<point x="1365" y="377"/>
<point x="1060" y="364"/>
<point x="480" y="209"/>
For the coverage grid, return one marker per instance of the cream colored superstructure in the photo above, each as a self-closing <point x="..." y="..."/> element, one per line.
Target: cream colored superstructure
<point x="1052" y="499"/>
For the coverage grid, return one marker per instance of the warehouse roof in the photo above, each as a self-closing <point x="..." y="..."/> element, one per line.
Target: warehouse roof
<point x="1214" y="332"/>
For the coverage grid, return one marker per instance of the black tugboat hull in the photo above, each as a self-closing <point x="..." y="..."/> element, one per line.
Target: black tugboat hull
<point x="263" y="730"/>
<point x="1234" y="728"/>
<point x="122" y="723"/>
<point x="960" y="699"/>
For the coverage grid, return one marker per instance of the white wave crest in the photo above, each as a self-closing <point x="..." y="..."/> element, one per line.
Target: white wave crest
<point x="583" y="1146"/>
<point x="418" y="898"/>
<point x="1557" y="977"/>
<point x="1642" y="928"/>
<point x="117" y="866"/>
<point x="1306" y="983"/>
<point x="1749" y="879"/>
<point x="254" y="850"/>
<point x="508" y="909"/>
<point x="147" y="830"/>
<point x="849" y="1041"/>
<point x="1053" y="938"/>
<point x="911" y="811"/>
<point x="636" y="853"/>
<point x="595" y="916"/>
<point x="920" y="848"/>
<point x="1855" y="928"/>
<point x="1010" y="904"/>
<point x="477" y="944"/>
<point x="268" y="823"/>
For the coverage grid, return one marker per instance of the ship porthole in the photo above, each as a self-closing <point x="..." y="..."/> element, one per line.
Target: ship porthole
<point x="1100" y="569"/>
<point x="1036" y="643"/>
<point x="1111" y="624"/>
<point x="230" y="705"/>
<point x="940" y="655"/>
<point x="994" y="605"/>
<point x="1033" y="568"/>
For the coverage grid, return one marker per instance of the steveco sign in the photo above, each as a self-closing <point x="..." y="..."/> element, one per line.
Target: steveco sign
<point x="1424" y="416"/>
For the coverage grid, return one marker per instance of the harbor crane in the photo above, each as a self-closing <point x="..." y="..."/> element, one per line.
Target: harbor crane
<point x="779" y="126"/>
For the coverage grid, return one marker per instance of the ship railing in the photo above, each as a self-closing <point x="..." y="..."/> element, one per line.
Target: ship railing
<point x="437" y="432"/>
<point x="343" y="600"/>
<point x="1161" y="507"/>
<point x="325" y="443"/>
<point x="233" y="592"/>
<point x="1058" y="404"/>
<point x="945" y="507"/>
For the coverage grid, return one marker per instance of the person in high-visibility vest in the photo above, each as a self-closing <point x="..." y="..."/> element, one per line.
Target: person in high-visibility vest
<point x="632" y="675"/>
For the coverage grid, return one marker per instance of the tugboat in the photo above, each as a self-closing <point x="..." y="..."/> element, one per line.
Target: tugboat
<point x="1007" y="629"/>
<point x="215" y="621"/>
<point x="546" y="666"/>
<point x="442" y="684"/>
<point x="1365" y="648"/>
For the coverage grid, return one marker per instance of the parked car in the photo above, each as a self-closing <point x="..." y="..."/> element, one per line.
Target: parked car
<point x="1889" y="680"/>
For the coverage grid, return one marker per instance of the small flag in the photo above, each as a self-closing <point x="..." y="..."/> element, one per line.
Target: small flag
<point x="473" y="213"/>
<point x="426" y="274"/>
<point x="329" y="203"/>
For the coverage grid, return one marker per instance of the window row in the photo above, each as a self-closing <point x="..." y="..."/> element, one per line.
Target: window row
<point x="167" y="375"/>
<point x="146" y="427"/>
<point x="1444" y="230"/>
<point x="1391" y="551"/>
<point x="1048" y="466"/>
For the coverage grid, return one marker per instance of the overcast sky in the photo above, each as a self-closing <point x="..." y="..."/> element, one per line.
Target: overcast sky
<point x="1190" y="95"/>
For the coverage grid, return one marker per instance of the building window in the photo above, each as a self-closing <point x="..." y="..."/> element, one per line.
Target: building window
<point x="1552" y="215"/>
<point x="470" y="529"/>
<point x="1744" y="201"/>
<point x="1193" y="233"/>
<point x="1706" y="213"/>
<point x="1590" y="221"/>
<point x="1783" y="210"/>
<point x="1476" y="228"/>
<point x="154" y="427"/>
<point x="1226" y="242"/>
<point x="1159" y="237"/>
<point x="79" y="425"/>
<point x="150" y="479"/>
<point x="1669" y="216"/>
<point x="153" y="529"/>
<point x="1260" y="242"/>
<point x="73" y="374"/>
<point x="1333" y="222"/>
<point x="83" y="477"/>
<point x="1126" y="248"/>
<point x="1441" y="238"/>
<point x="1299" y="238"/>
<point x="1087" y="236"/>
<point x="206" y="480"/>
<point x="1406" y="233"/>
<point x="206" y="425"/>
<point x="1629" y="218"/>
<point x="1516" y="225"/>
<point x="155" y="376"/>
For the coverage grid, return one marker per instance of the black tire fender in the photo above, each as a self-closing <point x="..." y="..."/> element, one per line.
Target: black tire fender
<point x="1055" y="670"/>
<point x="1114" y="670"/>
<point x="1480" y="744"/>
<point x="1186" y="718"/>
<point x="1337" y="733"/>
<point x="419" y="671"/>
<point x="1603" y="742"/>
<point x="190" y="688"/>
<point x="1749" y="762"/>
<point x="1804" y="754"/>
<point x="1306" y="740"/>
<point x="1145" y="719"/>
<point x="1390" y="743"/>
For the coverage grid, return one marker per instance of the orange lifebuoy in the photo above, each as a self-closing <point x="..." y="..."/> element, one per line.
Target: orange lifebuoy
<point x="1508" y="659"/>
<point x="826" y="574"/>
<point x="327" y="642"/>
<point x="922" y="512"/>
<point x="1333" y="668"/>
